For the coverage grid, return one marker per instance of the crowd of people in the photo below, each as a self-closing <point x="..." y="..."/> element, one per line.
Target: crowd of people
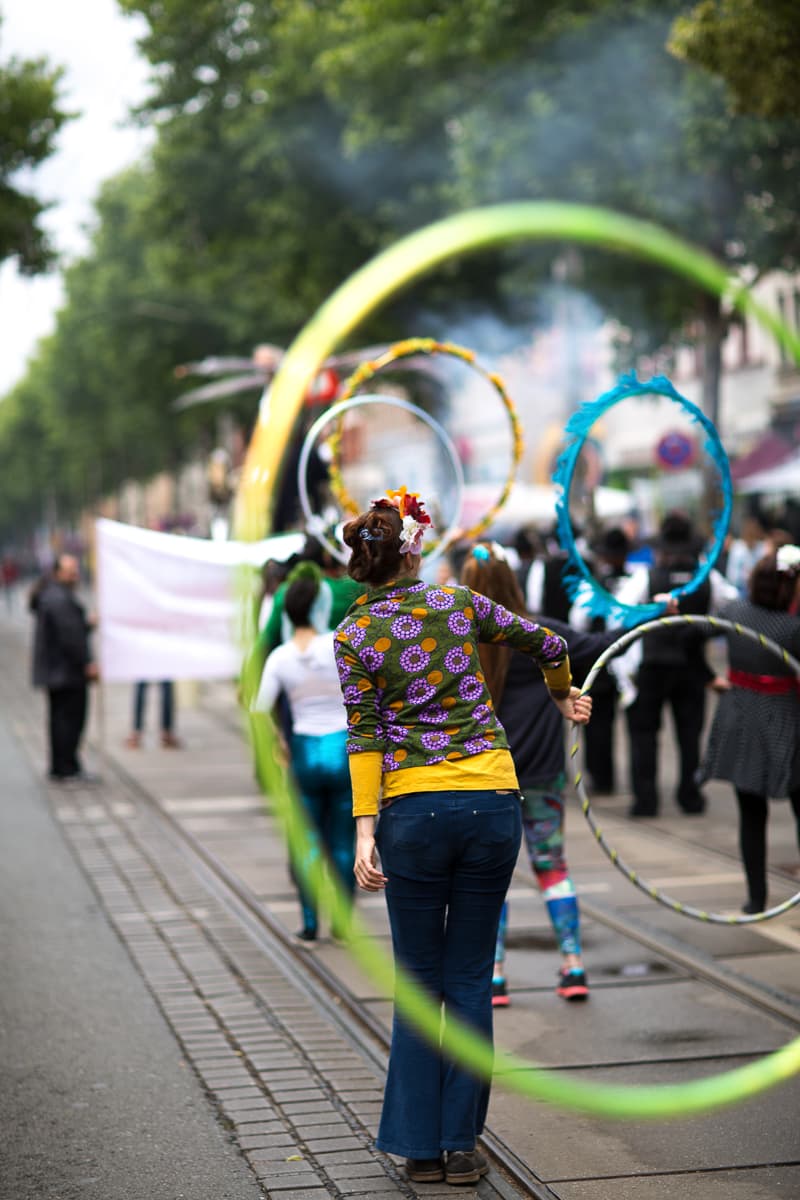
<point x="454" y="691"/>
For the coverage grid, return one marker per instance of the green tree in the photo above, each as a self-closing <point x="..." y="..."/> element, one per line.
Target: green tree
<point x="754" y="46"/>
<point x="30" y="118"/>
<point x="94" y="408"/>
<point x="295" y="139"/>
<point x="585" y="104"/>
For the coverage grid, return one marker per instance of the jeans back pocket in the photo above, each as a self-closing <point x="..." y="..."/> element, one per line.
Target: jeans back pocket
<point x="498" y="826"/>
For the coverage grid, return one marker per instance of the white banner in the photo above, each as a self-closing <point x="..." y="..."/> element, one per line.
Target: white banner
<point x="168" y="605"/>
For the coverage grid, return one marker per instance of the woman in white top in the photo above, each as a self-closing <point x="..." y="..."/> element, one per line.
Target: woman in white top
<point x="304" y="669"/>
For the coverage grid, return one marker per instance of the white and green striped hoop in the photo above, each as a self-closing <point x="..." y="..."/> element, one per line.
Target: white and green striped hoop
<point x="714" y="625"/>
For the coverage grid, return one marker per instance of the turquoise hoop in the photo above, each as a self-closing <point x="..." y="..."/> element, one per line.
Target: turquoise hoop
<point x="602" y="602"/>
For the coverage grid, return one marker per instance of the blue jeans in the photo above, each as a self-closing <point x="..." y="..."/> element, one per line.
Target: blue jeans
<point x="167" y="706"/>
<point x="448" y="857"/>
<point x="321" y="769"/>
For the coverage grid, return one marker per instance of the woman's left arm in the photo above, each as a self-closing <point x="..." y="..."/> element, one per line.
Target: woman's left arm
<point x="498" y="624"/>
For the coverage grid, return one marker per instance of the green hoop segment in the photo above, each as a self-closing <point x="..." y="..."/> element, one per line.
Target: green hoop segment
<point x="355" y="299"/>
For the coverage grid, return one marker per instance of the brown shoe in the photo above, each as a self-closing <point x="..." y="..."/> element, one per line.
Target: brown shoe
<point x="133" y="741"/>
<point x="170" y="742"/>
<point x="425" y="1170"/>
<point x="465" y="1166"/>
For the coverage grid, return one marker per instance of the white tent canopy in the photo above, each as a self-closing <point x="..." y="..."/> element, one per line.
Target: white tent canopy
<point x="535" y="504"/>
<point x="785" y="478"/>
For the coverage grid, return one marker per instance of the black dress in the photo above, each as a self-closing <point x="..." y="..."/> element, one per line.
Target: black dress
<point x="755" y="736"/>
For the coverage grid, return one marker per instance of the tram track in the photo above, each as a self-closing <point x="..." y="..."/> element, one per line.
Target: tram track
<point x="353" y="1017"/>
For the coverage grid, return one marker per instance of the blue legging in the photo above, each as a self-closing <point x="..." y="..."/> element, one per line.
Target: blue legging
<point x="543" y="826"/>
<point x="323" y="779"/>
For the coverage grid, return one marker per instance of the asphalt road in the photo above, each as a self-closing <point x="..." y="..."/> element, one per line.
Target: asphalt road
<point x="96" y="1100"/>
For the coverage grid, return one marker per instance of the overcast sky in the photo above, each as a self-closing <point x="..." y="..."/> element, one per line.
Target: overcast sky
<point x="104" y="76"/>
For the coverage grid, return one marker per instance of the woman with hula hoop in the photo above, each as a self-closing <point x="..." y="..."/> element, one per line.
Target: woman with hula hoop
<point x="537" y="746"/>
<point x="426" y="747"/>
<point x="755" y="737"/>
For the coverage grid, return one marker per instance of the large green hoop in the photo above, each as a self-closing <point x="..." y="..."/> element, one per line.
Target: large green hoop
<point x="355" y="299"/>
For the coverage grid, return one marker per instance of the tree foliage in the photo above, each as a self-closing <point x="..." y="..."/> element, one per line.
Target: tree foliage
<point x="30" y="118"/>
<point x="754" y="46"/>
<point x="296" y="138"/>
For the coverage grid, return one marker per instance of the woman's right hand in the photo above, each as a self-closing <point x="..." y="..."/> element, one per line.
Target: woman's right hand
<point x="367" y="876"/>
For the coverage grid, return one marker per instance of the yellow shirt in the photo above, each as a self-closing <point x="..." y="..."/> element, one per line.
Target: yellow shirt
<point x="494" y="769"/>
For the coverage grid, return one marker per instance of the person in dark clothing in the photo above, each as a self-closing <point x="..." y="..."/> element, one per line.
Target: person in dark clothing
<point x="62" y="663"/>
<point x="673" y="669"/>
<point x="537" y="749"/>
<point x="611" y="553"/>
<point x="542" y="576"/>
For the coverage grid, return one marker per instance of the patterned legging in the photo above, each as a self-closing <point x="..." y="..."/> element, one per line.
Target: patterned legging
<point x="323" y="778"/>
<point x="543" y="826"/>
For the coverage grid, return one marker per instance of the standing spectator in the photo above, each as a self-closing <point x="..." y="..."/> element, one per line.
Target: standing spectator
<point x="611" y="555"/>
<point x="337" y="592"/>
<point x="168" y="739"/>
<point x="755" y="738"/>
<point x="673" y="669"/>
<point x="9" y="574"/>
<point x="543" y="586"/>
<point x="535" y="734"/>
<point x="273" y="573"/>
<point x="303" y="669"/>
<point x="62" y="664"/>
<point x="744" y="552"/>
<point x="424" y="738"/>
<point x="641" y="552"/>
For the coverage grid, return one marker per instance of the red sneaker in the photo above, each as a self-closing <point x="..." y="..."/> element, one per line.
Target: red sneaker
<point x="572" y="984"/>
<point x="500" y="996"/>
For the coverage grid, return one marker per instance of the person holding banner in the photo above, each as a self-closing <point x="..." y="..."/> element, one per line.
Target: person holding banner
<point x="62" y="665"/>
<point x="168" y="739"/>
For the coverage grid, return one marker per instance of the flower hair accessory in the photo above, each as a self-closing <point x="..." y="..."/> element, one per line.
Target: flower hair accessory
<point x="788" y="559"/>
<point x="412" y="513"/>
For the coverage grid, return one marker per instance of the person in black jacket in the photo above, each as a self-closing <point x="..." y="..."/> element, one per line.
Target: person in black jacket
<point x="62" y="663"/>
<point x="537" y="748"/>
<point x="673" y="669"/>
<point x="610" y="551"/>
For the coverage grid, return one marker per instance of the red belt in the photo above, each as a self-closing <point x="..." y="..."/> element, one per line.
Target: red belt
<point x="769" y="685"/>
